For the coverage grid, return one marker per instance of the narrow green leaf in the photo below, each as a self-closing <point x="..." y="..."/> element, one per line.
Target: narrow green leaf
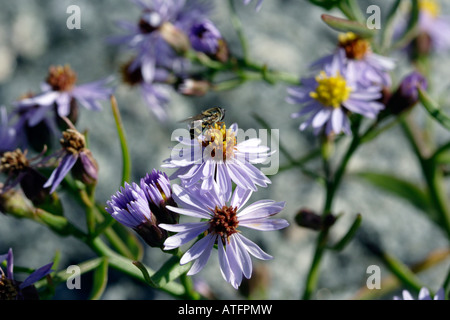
<point x="145" y="273"/>
<point x="170" y="271"/>
<point x="400" y="188"/>
<point x="433" y="109"/>
<point x="345" y="25"/>
<point x="100" y="280"/>
<point x="341" y="244"/>
<point x="126" y="159"/>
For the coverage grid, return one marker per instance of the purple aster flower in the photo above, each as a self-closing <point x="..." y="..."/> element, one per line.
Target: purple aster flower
<point x="158" y="191"/>
<point x="131" y="207"/>
<point x="258" y="4"/>
<point x="424" y="294"/>
<point x="205" y="37"/>
<point x="330" y="96"/>
<point x="8" y="133"/>
<point x="76" y="157"/>
<point x="11" y="289"/>
<point x="222" y="217"/>
<point x="433" y="31"/>
<point x="368" y="68"/>
<point x="216" y="156"/>
<point x="60" y="91"/>
<point x="161" y="30"/>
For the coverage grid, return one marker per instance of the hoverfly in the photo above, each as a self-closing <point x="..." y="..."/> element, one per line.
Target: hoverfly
<point x="207" y="117"/>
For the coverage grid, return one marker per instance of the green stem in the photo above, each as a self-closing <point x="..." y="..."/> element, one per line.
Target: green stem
<point x="332" y="185"/>
<point x="126" y="266"/>
<point x="433" y="178"/>
<point x="126" y="159"/>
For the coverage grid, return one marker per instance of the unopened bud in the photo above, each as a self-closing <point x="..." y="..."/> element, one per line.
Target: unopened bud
<point x="153" y="235"/>
<point x="86" y="168"/>
<point x="13" y="202"/>
<point x="407" y="95"/>
<point x="174" y="37"/>
<point x="309" y="219"/>
<point x="32" y="185"/>
<point x="192" y="87"/>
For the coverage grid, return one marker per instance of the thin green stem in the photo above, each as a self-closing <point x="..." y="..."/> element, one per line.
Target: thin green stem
<point x="433" y="177"/>
<point x="126" y="159"/>
<point x="332" y="185"/>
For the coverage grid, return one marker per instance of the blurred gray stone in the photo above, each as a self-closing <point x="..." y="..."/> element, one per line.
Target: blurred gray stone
<point x="286" y="35"/>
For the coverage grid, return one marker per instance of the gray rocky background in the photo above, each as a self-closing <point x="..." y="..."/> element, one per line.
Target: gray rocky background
<point x="285" y="34"/>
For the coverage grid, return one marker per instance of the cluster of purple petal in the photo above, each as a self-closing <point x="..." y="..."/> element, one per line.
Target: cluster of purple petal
<point x="164" y="29"/>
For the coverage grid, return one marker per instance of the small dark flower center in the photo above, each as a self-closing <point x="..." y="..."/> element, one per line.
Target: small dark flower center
<point x="224" y="222"/>
<point x="131" y="77"/>
<point x="355" y="47"/>
<point x="14" y="162"/>
<point x="61" y="78"/>
<point x="73" y="141"/>
<point x="8" y="289"/>
<point x="149" y="22"/>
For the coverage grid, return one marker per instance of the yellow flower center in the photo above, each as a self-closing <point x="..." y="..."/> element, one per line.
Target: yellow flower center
<point x="220" y="140"/>
<point x="355" y="47"/>
<point x="430" y="6"/>
<point x="331" y="91"/>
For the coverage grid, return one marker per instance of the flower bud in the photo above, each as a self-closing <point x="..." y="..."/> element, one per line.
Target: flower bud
<point x="13" y="202"/>
<point x="130" y="207"/>
<point x="86" y="168"/>
<point x="407" y="95"/>
<point x="192" y="87"/>
<point x="206" y="38"/>
<point x="174" y="37"/>
<point x="311" y="220"/>
<point x="158" y="191"/>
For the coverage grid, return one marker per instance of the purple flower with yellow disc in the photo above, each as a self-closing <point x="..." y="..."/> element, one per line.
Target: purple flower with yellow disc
<point x="217" y="156"/>
<point x="330" y="96"/>
<point x="367" y="68"/>
<point x="11" y="289"/>
<point x="222" y="219"/>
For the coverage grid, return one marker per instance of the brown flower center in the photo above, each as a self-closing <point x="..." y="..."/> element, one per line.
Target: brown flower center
<point x="73" y="141"/>
<point x="61" y="78"/>
<point x="149" y="22"/>
<point x="224" y="222"/>
<point x="355" y="47"/>
<point x="14" y="162"/>
<point x="131" y="77"/>
<point x="8" y="290"/>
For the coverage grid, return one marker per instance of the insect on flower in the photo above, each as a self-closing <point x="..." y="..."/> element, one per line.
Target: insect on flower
<point x="207" y="117"/>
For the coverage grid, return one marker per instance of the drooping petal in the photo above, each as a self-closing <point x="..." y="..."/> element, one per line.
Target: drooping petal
<point x="36" y="275"/>
<point x="67" y="162"/>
